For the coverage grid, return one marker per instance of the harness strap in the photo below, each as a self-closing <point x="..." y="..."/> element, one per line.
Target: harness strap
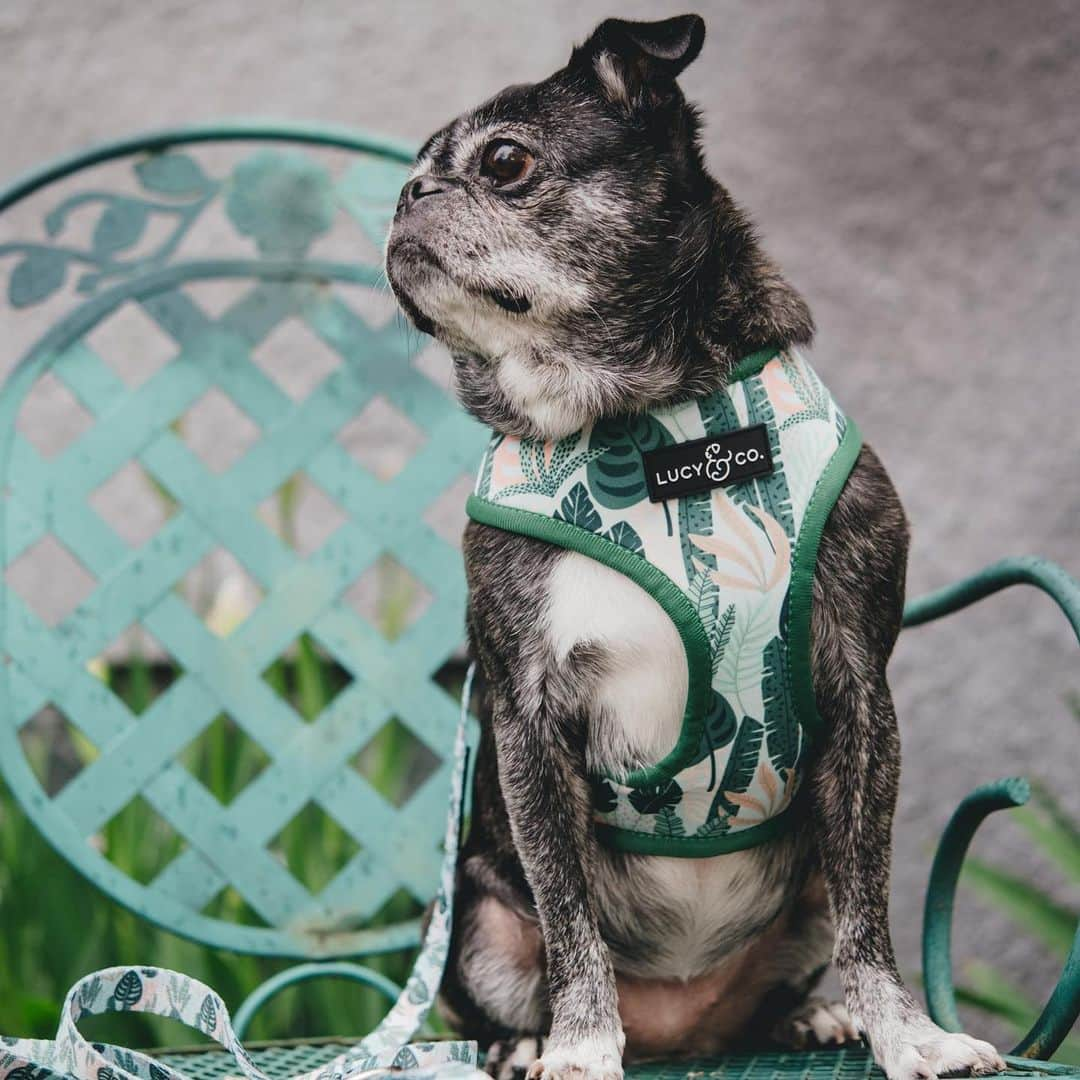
<point x="171" y="994"/>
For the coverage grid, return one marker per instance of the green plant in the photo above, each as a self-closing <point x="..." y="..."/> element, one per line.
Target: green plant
<point x="985" y="988"/>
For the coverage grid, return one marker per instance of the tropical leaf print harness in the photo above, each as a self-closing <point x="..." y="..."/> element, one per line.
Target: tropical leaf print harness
<point x="732" y="566"/>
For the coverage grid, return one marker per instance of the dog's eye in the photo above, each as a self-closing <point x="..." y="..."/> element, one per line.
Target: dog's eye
<point x="504" y="162"/>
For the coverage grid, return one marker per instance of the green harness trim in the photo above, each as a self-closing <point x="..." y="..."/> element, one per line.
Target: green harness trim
<point x="564" y="469"/>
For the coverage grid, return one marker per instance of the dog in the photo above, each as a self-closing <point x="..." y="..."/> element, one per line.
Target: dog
<point x="567" y="244"/>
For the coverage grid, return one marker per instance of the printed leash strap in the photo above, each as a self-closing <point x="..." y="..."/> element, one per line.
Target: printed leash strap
<point x="170" y="994"/>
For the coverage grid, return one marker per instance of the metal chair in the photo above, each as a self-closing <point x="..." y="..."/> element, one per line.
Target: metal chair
<point x="122" y="229"/>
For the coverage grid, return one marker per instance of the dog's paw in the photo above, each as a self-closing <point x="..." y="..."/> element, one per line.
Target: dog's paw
<point x="509" y="1059"/>
<point x="816" y="1022"/>
<point x="598" y="1057"/>
<point x="923" y="1051"/>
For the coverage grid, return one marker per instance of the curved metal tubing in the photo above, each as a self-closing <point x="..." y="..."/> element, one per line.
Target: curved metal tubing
<point x="1063" y="1008"/>
<point x="1022" y="570"/>
<point x="223" y="131"/>
<point x="305" y="973"/>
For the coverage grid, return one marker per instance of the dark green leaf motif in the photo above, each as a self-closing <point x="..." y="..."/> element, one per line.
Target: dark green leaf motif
<point x="781" y="723"/>
<point x="741" y="765"/>
<point x="172" y="174"/>
<point x="577" y="509"/>
<point x="158" y="1073"/>
<point x="128" y="990"/>
<point x="717" y="730"/>
<point x="207" y="1019"/>
<point x="625" y="535"/>
<point x="652" y="798"/>
<point x="617" y="476"/>
<point x="405" y="1059"/>
<point x="669" y="824"/>
<point x="768" y="492"/>
<point x="37" y="277"/>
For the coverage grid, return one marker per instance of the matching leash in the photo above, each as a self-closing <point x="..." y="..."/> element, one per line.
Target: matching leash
<point x="161" y="992"/>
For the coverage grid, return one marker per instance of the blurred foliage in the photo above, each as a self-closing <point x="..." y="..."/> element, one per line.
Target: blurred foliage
<point x="1057" y="836"/>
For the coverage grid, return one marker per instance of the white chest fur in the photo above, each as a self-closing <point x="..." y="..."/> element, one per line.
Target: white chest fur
<point x="635" y="715"/>
<point x="636" y="705"/>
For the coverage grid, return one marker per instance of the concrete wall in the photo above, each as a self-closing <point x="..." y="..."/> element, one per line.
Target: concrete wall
<point x="913" y="165"/>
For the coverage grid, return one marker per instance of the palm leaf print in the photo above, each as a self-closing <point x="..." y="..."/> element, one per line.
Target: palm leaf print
<point x="721" y="635"/>
<point x="718" y="413"/>
<point x="781" y="724"/>
<point x="577" y="509"/>
<point x="544" y="474"/>
<point x="625" y="535"/>
<point x="741" y="765"/>
<point x="668" y="823"/>
<point x="810" y="391"/>
<point x="617" y="470"/>
<point x="770" y="492"/>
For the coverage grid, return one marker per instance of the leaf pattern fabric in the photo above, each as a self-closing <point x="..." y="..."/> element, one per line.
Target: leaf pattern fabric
<point x="731" y="552"/>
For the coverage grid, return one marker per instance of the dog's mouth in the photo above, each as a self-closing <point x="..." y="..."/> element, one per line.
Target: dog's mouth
<point x="412" y="251"/>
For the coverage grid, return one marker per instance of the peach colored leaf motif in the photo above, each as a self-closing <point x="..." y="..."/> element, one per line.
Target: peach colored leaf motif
<point x="746" y="557"/>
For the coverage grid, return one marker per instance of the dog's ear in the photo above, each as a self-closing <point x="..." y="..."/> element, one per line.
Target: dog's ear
<point x="636" y="63"/>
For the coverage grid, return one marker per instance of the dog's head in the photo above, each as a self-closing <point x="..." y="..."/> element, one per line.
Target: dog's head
<point x="567" y="244"/>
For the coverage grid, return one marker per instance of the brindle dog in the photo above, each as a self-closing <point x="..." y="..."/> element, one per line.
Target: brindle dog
<point x="568" y="245"/>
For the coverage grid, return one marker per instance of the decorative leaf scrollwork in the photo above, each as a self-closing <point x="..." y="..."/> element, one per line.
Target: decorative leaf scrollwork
<point x="121" y="224"/>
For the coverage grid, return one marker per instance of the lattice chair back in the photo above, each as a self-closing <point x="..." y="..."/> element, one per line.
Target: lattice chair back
<point x="232" y="492"/>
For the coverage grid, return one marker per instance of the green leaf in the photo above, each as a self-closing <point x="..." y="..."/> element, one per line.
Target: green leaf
<point x="781" y="723"/>
<point x="577" y="509"/>
<point x="37" y="277"/>
<point x="668" y="823"/>
<point x="121" y="224"/>
<point x="128" y="990"/>
<point x="720" y="635"/>
<point x="173" y="174"/>
<point x="207" y="1018"/>
<point x="768" y="492"/>
<point x="741" y="765"/>
<point x="652" y="798"/>
<point x="617" y="476"/>
<point x="1025" y="904"/>
<point x="625" y="535"/>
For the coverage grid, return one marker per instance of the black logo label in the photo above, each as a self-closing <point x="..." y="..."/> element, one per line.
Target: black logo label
<point x="709" y="463"/>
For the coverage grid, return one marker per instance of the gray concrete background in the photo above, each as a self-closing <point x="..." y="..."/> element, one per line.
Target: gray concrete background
<point x="915" y="168"/>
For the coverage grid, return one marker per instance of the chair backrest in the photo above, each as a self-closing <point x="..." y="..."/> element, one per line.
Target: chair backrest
<point x="231" y="595"/>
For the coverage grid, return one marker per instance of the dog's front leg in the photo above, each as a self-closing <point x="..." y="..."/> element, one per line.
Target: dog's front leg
<point x="855" y="793"/>
<point x="542" y="775"/>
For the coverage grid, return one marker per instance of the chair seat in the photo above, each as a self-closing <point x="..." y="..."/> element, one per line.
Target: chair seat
<point x="282" y="1060"/>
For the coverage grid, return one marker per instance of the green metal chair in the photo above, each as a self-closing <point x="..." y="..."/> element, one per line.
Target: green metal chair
<point x="292" y="220"/>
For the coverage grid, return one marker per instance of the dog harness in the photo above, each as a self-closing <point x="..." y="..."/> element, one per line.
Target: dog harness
<point x="715" y="507"/>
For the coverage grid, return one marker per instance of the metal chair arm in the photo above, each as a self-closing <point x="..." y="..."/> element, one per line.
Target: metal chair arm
<point x="299" y="973"/>
<point x="1061" y="1011"/>
<point x="1063" y="1007"/>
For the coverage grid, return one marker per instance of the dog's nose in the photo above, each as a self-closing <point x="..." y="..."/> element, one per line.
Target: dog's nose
<point x="421" y="188"/>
